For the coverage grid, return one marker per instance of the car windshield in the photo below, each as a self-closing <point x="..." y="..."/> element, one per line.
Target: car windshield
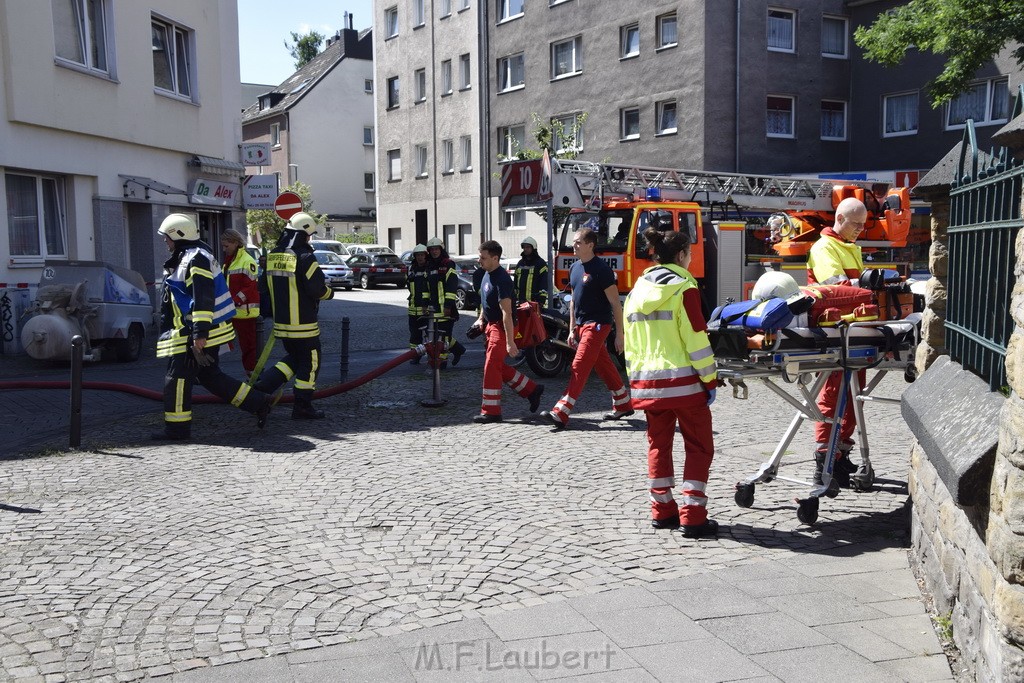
<point x="387" y="259"/>
<point x="612" y="228"/>
<point x="467" y="265"/>
<point x="379" y="250"/>
<point x="328" y="258"/>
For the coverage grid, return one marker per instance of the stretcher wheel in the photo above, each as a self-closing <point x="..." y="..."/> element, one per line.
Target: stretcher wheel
<point x="744" y="494"/>
<point x="807" y="510"/>
<point x="863" y="479"/>
<point x="833" y="489"/>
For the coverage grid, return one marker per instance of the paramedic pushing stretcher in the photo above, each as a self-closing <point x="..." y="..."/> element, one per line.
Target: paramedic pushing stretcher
<point x="836" y="259"/>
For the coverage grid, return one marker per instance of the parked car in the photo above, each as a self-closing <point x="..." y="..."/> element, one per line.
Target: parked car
<point x="371" y="270"/>
<point x="330" y="245"/>
<point x="466" y="295"/>
<point x="368" y="249"/>
<point x="337" y="272"/>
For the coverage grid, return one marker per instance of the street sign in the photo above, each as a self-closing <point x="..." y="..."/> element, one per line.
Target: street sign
<point x="544" y="192"/>
<point x="256" y="153"/>
<point x="259" y="191"/>
<point x="287" y="204"/>
<point x="520" y="178"/>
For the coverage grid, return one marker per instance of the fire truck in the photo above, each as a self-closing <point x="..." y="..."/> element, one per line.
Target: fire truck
<point x="717" y="211"/>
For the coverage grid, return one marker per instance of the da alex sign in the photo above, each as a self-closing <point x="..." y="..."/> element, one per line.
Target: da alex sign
<point x="214" y="192"/>
<point x="259" y="191"/>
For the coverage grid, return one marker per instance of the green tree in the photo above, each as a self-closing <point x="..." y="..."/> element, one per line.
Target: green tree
<point x="545" y="135"/>
<point x="967" y="32"/>
<point x="304" y="47"/>
<point x="268" y="225"/>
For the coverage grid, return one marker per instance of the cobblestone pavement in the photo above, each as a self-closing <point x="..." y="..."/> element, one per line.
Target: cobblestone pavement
<point x="134" y="559"/>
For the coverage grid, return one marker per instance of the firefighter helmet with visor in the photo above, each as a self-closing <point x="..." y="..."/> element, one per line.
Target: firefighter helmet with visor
<point x="179" y="226"/>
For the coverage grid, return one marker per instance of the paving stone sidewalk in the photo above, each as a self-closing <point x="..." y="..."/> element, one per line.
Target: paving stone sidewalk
<point x="347" y="549"/>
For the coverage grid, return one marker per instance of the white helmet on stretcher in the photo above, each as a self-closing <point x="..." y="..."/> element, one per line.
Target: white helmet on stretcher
<point x="775" y="284"/>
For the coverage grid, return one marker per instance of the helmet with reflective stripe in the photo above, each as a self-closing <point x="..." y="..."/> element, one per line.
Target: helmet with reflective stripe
<point x="304" y="222"/>
<point x="529" y="240"/>
<point x="179" y="226"/>
<point x="435" y="242"/>
<point x="419" y="249"/>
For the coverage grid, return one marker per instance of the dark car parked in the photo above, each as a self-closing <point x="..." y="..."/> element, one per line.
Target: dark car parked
<point x="370" y="270"/>
<point x="466" y="295"/>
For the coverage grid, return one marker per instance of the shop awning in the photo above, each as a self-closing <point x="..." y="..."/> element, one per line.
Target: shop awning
<point x="217" y="166"/>
<point x="132" y="183"/>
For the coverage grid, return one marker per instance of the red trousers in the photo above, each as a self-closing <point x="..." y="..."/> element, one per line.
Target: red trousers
<point x="828" y="401"/>
<point x="695" y="426"/>
<point x="591" y="353"/>
<point x="496" y="372"/>
<point x="245" y="331"/>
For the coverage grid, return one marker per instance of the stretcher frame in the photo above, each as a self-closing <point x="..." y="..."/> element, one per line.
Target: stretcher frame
<point x="809" y="369"/>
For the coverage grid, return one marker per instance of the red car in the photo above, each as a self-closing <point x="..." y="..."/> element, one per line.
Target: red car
<point x="370" y="270"/>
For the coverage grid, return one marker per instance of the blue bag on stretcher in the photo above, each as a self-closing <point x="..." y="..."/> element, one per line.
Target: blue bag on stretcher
<point x="769" y="314"/>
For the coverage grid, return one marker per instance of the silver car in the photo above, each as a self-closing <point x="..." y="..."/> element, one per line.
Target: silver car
<point x="337" y="272"/>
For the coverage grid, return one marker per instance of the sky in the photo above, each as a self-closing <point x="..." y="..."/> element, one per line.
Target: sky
<point x="264" y="25"/>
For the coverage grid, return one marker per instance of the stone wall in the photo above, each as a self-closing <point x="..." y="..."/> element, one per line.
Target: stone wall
<point x="933" y="328"/>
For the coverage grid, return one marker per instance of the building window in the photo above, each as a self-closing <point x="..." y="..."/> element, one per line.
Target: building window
<point x="172" y="58"/>
<point x="986" y="102"/>
<point x="667" y="36"/>
<point x="665" y="117"/>
<point x="781" y="30"/>
<point x="394" y="164"/>
<point x="567" y="133"/>
<point x="834" y="37"/>
<point x="780" y="116"/>
<point x="35" y="216"/>
<point x="446" y="8"/>
<point x="833" y="120"/>
<point x="509" y="9"/>
<point x="275" y="134"/>
<point x="629" y="123"/>
<point x="392" y="92"/>
<point x="446" y="77"/>
<point x="629" y="39"/>
<point x="80" y="33"/>
<point x="511" y="140"/>
<point x="567" y="57"/>
<point x="513" y="219"/>
<point x="391" y="22"/>
<point x="421" y="85"/>
<point x="900" y="114"/>
<point x="447" y="156"/>
<point x="421" y="161"/>
<point x="419" y="16"/>
<point x="368" y="182"/>
<point x="368" y="86"/>
<point x="466" y="142"/>
<point x="464" y="82"/>
<point x="463" y="4"/>
<point x="511" y="73"/>
<point x="367" y="135"/>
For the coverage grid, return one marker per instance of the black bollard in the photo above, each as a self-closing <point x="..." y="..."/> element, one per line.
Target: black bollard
<point x="436" y="401"/>
<point x="259" y="332"/>
<point x="345" y="324"/>
<point x="77" y="350"/>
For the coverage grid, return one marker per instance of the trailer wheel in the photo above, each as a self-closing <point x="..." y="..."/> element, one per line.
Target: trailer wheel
<point x="130" y="348"/>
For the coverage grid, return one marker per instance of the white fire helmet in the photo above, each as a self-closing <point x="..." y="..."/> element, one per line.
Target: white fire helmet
<point x="179" y="226"/>
<point x="775" y="284"/>
<point x="304" y="222"/>
<point x="419" y="249"/>
<point x="529" y="240"/>
<point x="435" y="242"/>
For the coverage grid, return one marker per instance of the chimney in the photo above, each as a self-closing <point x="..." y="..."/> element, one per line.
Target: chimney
<point x="348" y="20"/>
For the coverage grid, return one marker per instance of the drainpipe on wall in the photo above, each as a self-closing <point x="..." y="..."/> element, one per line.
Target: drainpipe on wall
<point x="433" y="124"/>
<point x="483" y="77"/>
<point x="736" y="113"/>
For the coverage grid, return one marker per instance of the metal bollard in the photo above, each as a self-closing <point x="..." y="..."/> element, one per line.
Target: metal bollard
<point x="436" y="401"/>
<point x="259" y="332"/>
<point x="77" y="351"/>
<point x="345" y="324"/>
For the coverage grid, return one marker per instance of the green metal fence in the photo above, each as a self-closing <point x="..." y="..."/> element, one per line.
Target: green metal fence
<point x="984" y="218"/>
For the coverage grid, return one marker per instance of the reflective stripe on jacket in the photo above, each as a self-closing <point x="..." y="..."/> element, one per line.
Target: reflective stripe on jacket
<point x="669" y="363"/>
<point x="419" y="289"/>
<point x="296" y="285"/>
<point x="832" y="260"/>
<point x="196" y="303"/>
<point x="242" y="283"/>
<point x="442" y="281"/>
<point x="532" y="281"/>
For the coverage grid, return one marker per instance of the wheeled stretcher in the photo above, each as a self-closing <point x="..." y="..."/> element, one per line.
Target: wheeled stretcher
<point x="806" y="357"/>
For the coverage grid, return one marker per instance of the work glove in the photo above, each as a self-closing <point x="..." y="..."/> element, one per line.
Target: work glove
<point x="202" y="360"/>
<point x="712" y="393"/>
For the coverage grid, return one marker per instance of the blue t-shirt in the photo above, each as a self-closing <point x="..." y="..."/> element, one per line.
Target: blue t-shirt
<point x="495" y="286"/>
<point x="588" y="281"/>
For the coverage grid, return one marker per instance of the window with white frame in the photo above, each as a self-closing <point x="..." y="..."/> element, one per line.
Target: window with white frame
<point x="466" y="143"/>
<point x="367" y="135"/>
<point x="446" y="77"/>
<point x="36" y="225"/>
<point x="629" y="123"/>
<point x="463" y="4"/>
<point x="275" y="134"/>
<point x="665" y="117"/>
<point x="394" y="164"/>
<point x="368" y="86"/>
<point x="667" y="31"/>
<point x="779" y="118"/>
<point x="464" y="74"/>
<point x="446" y="8"/>
<point x="421" y="161"/>
<point x="986" y="102"/>
<point x="567" y="57"/>
<point x="418" y="13"/>
<point x="834" y="37"/>
<point x="447" y="156"/>
<point x="368" y="182"/>
<point x="567" y="132"/>
<point x="513" y="219"/>
<point x="392" y="92"/>
<point x="781" y="30"/>
<point x="509" y="9"/>
<point x="510" y="140"/>
<point x="511" y="73"/>
<point x="629" y="41"/>
<point x="80" y="33"/>
<point x="391" y="22"/>
<point x="900" y="114"/>
<point x="173" y="47"/>
<point x="833" y="120"/>
<point x="421" y="84"/>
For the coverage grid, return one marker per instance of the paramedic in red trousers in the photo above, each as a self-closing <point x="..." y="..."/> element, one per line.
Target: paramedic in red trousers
<point x="592" y="310"/>
<point x="195" y="322"/>
<point x="531" y="275"/>
<point x="241" y="273"/>
<point x="672" y="376"/>
<point x="443" y="281"/>
<point x="496" y="322"/>
<point x="295" y="286"/>
<point x="835" y="259"/>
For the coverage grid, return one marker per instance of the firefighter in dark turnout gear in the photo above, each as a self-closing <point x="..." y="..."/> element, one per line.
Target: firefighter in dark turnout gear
<point x="419" y="297"/>
<point x="531" y="275"/>
<point x="296" y="286"/>
<point x="443" y="281"/>
<point x="196" y="314"/>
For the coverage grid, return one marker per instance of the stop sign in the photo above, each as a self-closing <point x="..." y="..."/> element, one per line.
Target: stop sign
<point x="287" y="204"/>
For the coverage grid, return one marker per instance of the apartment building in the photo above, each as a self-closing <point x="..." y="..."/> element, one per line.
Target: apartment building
<point x="115" y="114"/>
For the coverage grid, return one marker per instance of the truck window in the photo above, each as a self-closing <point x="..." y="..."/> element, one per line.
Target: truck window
<point x="659" y="219"/>
<point x="688" y="225"/>
<point x="612" y="228"/>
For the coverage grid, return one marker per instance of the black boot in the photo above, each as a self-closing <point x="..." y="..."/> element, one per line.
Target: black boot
<point x="173" y="431"/>
<point x="263" y="412"/>
<point x="457" y="350"/>
<point x="306" y="411"/>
